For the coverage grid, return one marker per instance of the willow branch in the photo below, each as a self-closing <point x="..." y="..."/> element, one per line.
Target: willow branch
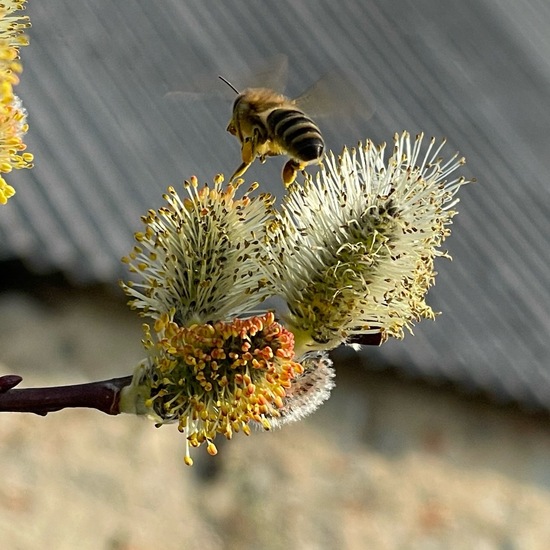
<point x="367" y="339"/>
<point x="103" y="396"/>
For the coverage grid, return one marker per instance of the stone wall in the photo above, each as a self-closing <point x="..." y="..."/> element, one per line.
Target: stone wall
<point x="386" y="463"/>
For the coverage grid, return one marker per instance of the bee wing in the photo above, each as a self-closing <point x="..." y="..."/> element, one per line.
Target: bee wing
<point x="199" y="88"/>
<point x="270" y="73"/>
<point x="337" y="92"/>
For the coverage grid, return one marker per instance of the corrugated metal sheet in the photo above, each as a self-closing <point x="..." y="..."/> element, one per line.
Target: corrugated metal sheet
<point x="108" y="141"/>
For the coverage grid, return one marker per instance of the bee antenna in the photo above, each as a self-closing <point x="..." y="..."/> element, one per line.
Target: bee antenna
<point x="229" y="84"/>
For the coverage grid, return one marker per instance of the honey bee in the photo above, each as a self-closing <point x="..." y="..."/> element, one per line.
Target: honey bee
<point x="268" y="124"/>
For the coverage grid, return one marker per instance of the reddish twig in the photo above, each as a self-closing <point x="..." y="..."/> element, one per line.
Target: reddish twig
<point x="367" y="339"/>
<point x="103" y="396"/>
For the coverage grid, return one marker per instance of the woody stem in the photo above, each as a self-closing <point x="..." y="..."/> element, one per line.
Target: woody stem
<point x="103" y="395"/>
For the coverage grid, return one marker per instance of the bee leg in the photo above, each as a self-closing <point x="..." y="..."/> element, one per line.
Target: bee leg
<point x="291" y="169"/>
<point x="240" y="170"/>
<point x="248" y="153"/>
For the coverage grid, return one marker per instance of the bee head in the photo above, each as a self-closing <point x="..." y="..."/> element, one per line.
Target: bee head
<point x="231" y="128"/>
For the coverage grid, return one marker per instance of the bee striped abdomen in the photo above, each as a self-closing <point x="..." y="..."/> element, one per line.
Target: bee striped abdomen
<point x="297" y="132"/>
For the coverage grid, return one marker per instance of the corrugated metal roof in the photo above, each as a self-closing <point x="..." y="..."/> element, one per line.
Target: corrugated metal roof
<point x="108" y="141"/>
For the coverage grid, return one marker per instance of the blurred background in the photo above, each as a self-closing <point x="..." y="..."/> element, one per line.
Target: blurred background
<point x="438" y="441"/>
